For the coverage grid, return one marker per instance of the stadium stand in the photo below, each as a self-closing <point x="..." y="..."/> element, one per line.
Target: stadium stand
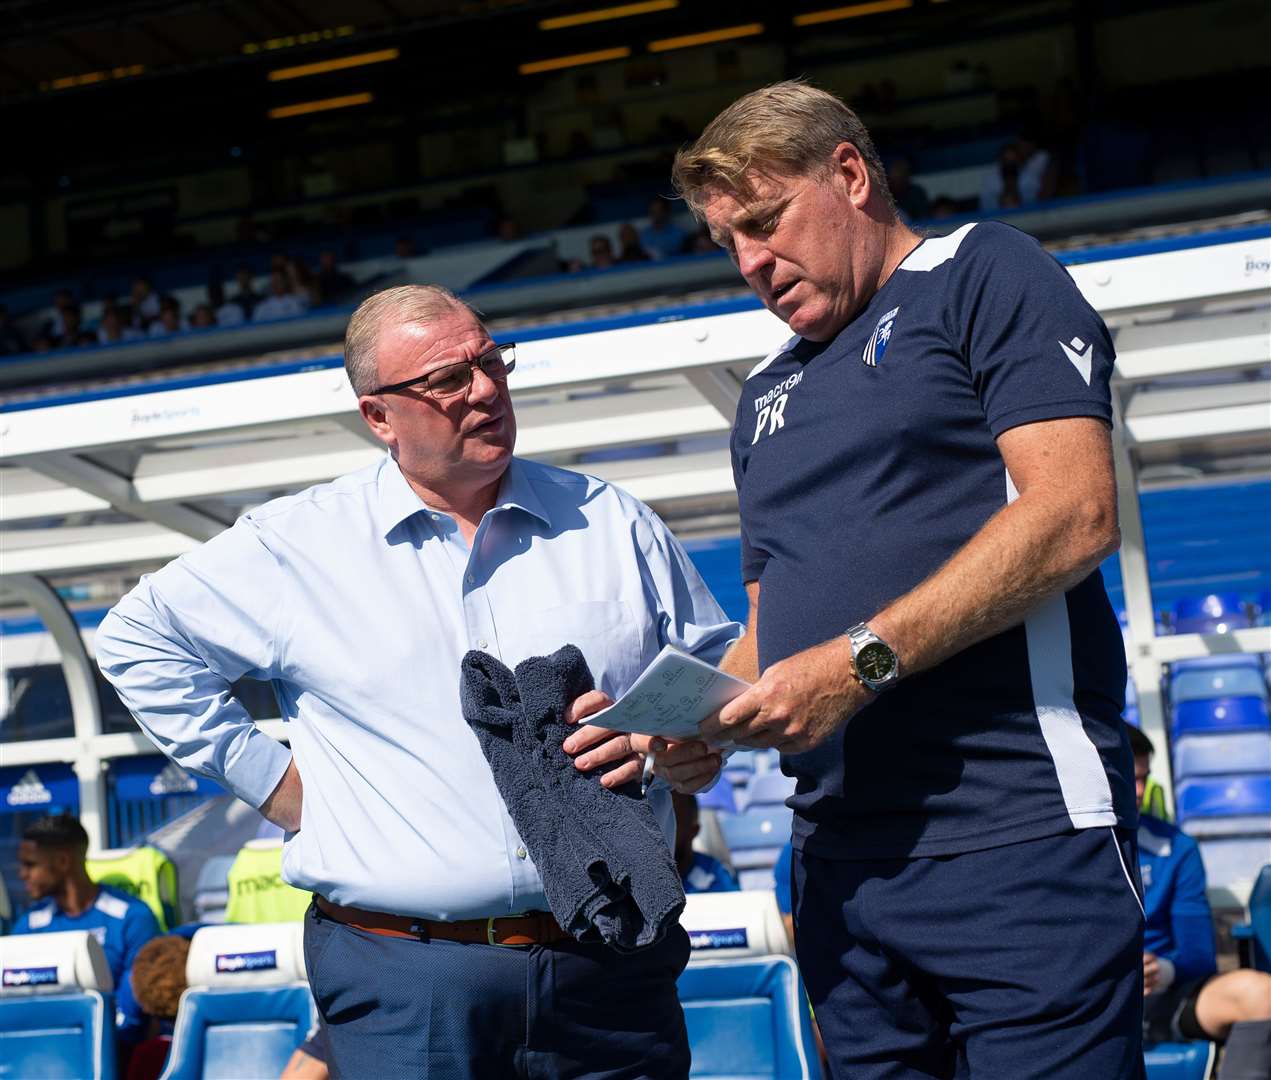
<point x="247" y="1007"/>
<point x="56" y="1007"/>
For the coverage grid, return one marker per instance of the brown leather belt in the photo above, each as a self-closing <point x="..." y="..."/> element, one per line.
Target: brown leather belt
<point x="532" y="928"/>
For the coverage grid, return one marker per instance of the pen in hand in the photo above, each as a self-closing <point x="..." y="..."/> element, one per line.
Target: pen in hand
<point x="646" y="773"/>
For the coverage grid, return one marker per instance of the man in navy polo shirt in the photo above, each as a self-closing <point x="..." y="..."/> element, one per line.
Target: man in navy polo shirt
<point x="926" y="492"/>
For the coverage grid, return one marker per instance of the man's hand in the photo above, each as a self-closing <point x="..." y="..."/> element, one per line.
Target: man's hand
<point x="1151" y="973"/>
<point x="688" y="766"/>
<point x="796" y="704"/>
<point x="284" y="803"/>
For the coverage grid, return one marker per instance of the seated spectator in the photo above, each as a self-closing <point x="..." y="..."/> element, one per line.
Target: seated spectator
<point x="1024" y="174"/>
<point x="51" y="859"/>
<point x="55" y="328"/>
<point x="145" y="303"/>
<point x="203" y="317"/>
<point x="942" y="207"/>
<point x="1185" y="998"/>
<point x="302" y="281"/>
<point x="226" y="312"/>
<point x="601" y="248"/>
<point x="169" y="320"/>
<point x="246" y="297"/>
<point x="662" y="238"/>
<point x="72" y="329"/>
<point x="157" y="982"/>
<point x="911" y="199"/>
<point x="333" y="283"/>
<point x="113" y="329"/>
<point x="629" y="244"/>
<point x="281" y="303"/>
<point x="11" y="340"/>
<point x="699" y="872"/>
<point x="702" y="244"/>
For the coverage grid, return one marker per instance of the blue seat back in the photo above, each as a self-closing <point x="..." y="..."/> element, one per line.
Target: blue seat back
<point x="1221" y="714"/>
<point x="748" y="1018"/>
<point x="770" y="788"/>
<point x="224" y="1034"/>
<point x="1179" y="1061"/>
<point x="1225" y="796"/>
<point x="756" y="836"/>
<point x="1219" y="680"/>
<point x="56" y="1036"/>
<point x="1225" y="752"/>
<point x="1214" y="613"/>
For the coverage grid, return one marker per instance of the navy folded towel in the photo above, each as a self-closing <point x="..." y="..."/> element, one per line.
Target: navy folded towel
<point x="606" y="868"/>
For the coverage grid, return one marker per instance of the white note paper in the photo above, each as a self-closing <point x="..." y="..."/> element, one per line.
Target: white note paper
<point x="671" y="698"/>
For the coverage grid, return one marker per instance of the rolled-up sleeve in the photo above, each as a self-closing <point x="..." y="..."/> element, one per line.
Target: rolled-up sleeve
<point x="174" y="645"/>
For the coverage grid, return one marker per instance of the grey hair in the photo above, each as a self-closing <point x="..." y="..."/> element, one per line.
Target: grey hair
<point x="401" y="304"/>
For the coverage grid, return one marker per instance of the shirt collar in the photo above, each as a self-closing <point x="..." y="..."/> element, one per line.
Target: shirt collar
<point x="398" y="500"/>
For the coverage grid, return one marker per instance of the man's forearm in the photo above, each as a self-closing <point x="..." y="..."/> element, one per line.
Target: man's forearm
<point x="1025" y="554"/>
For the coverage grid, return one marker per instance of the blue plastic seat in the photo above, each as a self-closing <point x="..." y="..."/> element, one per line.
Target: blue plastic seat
<point x="1231" y="861"/>
<point x="748" y="1018"/>
<point x="1179" y="1061"/>
<point x="57" y="1015"/>
<point x="768" y="789"/>
<point x="755" y="838"/>
<point x="1244" y="801"/>
<point x="1254" y="937"/>
<point x="1215" y="613"/>
<point x="1238" y="675"/>
<point x="1223" y="752"/>
<point x="1224" y="714"/>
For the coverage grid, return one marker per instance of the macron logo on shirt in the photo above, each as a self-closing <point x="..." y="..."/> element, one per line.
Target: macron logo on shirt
<point x="1081" y="356"/>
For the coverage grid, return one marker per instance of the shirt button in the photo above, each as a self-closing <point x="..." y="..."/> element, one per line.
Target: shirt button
<point x="482" y="643"/>
<point x="436" y="517"/>
<point x="521" y="853"/>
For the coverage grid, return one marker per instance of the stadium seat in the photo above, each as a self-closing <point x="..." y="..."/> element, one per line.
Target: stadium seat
<point x="248" y="1005"/>
<point x="1231" y="805"/>
<point x="144" y="872"/>
<point x="768" y="789"/>
<point x="1236" y="675"/>
<point x="728" y="925"/>
<point x="1179" y="1061"/>
<point x="56" y="1009"/>
<point x="1211" y="755"/>
<point x="755" y="838"/>
<point x="719" y="796"/>
<point x="748" y="1018"/>
<point x="1215" y="613"/>
<point x="1254" y="937"/>
<point x="1221" y="714"/>
<point x="211" y="890"/>
<point x="1232" y="861"/>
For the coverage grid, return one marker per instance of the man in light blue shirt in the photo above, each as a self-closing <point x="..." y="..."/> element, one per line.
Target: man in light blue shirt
<point x="357" y="599"/>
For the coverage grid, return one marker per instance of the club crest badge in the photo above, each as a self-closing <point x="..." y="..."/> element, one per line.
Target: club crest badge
<point x="877" y="344"/>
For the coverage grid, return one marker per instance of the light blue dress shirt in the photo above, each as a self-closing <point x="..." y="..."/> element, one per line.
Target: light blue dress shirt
<point x="358" y="602"/>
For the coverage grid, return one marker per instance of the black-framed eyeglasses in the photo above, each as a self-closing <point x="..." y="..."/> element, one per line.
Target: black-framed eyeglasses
<point x="454" y="379"/>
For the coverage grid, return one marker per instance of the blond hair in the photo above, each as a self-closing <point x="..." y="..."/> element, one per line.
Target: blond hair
<point x="404" y="304"/>
<point x="788" y="128"/>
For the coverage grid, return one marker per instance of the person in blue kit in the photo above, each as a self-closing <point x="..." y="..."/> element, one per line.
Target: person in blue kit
<point x="429" y="946"/>
<point x="699" y="871"/>
<point x="926" y="491"/>
<point x="1185" y="997"/>
<point x="51" y="858"/>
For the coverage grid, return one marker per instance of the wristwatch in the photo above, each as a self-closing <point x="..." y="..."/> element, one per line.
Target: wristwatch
<point x="876" y="663"/>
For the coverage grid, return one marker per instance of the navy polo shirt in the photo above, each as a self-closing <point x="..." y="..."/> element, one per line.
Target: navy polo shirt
<point x="862" y="465"/>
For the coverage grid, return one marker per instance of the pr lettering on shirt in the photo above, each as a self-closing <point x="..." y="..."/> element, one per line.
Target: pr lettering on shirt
<point x="770" y="408"/>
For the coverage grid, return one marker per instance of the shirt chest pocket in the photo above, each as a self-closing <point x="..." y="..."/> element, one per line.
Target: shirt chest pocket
<point x="606" y="631"/>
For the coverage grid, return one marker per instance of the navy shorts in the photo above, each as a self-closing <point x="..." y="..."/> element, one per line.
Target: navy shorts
<point x="441" y="1010"/>
<point x="1022" y="961"/>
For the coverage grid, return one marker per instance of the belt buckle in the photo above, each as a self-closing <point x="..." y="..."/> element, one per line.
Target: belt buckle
<point x="489" y="925"/>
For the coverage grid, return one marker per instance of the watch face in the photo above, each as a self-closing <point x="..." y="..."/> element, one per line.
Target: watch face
<point x="875" y="661"/>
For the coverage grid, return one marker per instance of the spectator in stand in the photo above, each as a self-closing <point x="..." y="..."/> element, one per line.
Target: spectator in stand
<point x="51" y="860"/>
<point x="169" y="320"/>
<point x="226" y="312"/>
<point x="1185" y="998"/>
<point x="302" y="281"/>
<point x="630" y="248"/>
<point x="55" y="328"/>
<point x="911" y="199"/>
<point x="942" y="207"/>
<point x="246" y="297"/>
<point x="203" y="317"/>
<point x="112" y="328"/>
<point x="145" y="303"/>
<point x="601" y="248"/>
<point x="662" y="238"/>
<point x="702" y="244"/>
<point x="72" y="328"/>
<point x="281" y="303"/>
<point x="699" y="871"/>
<point x="11" y="340"/>
<point x="333" y="283"/>
<point x="1024" y="174"/>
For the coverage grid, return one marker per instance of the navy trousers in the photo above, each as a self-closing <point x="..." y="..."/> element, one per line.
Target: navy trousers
<point x="440" y="1010"/>
<point x="1020" y="962"/>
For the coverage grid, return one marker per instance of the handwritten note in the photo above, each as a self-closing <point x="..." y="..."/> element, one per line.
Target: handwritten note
<point x="671" y="698"/>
